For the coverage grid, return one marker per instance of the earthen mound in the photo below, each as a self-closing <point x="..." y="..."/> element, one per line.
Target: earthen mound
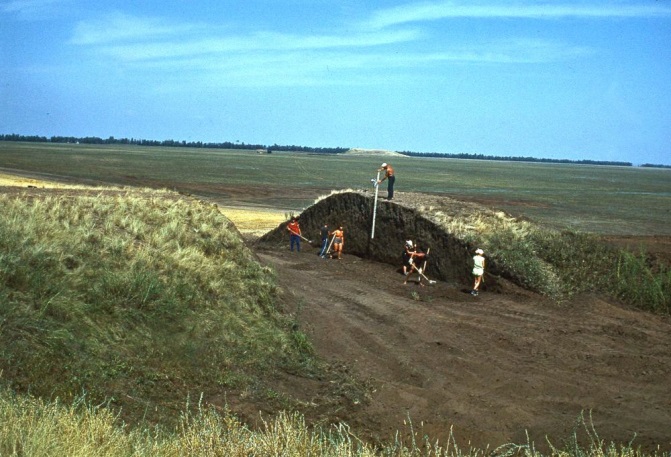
<point x="408" y="217"/>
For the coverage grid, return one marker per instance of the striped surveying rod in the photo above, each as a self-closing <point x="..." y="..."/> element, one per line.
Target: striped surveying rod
<point x="377" y="188"/>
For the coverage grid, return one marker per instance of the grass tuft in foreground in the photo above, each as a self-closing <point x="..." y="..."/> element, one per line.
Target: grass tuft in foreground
<point x="30" y="426"/>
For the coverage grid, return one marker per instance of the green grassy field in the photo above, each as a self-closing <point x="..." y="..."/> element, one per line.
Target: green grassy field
<point x="598" y="199"/>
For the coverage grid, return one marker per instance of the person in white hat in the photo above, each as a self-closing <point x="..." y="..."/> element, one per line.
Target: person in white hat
<point x="389" y="176"/>
<point x="414" y="264"/>
<point x="478" y="270"/>
<point x="407" y="257"/>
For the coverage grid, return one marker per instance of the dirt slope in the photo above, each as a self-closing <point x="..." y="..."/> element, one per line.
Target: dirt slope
<point x="491" y="367"/>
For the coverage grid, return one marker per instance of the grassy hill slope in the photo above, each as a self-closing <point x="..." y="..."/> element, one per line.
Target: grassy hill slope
<point x="139" y="299"/>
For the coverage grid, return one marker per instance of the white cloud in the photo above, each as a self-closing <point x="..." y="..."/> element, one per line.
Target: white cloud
<point x="260" y="42"/>
<point x="340" y="66"/>
<point x="32" y="9"/>
<point x="126" y="28"/>
<point x="429" y="11"/>
<point x="216" y="54"/>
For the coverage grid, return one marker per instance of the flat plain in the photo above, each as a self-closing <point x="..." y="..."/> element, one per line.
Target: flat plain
<point x="608" y="200"/>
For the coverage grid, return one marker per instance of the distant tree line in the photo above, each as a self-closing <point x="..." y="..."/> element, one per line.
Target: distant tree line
<point x="168" y="143"/>
<point x="514" y="159"/>
<point x="294" y="148"/>
<point x="649" y="165"/>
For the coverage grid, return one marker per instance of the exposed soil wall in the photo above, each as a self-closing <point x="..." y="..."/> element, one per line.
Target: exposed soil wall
<point x="450" y="258"/>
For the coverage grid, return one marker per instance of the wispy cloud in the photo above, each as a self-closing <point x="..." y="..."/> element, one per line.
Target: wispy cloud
<point x="223" y="56"/>
<point x="230" y="56"/>
<point x="342" y="66"/>
<point x="430" y="11"/>
<point x="133" y="38"/>
<point x="127" y="30"/>
<point x="119" y="27"/>
<point x="32" y="9"/>
<point x="259" y="42"/>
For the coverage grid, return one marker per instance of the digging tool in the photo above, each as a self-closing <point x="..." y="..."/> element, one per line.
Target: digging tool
<point x="427" y="255"/>
<point x="431" y="281"/>
<point x="420" y="272"/>
<point x="301" y="236"/>
<point x="325" y="249"/>
<point x="329" y="248"/>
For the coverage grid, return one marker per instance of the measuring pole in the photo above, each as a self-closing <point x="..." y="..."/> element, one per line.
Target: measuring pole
<point x="377" y="187"/>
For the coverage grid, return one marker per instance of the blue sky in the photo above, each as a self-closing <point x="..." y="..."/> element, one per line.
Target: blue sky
<point x="558" y="79"/>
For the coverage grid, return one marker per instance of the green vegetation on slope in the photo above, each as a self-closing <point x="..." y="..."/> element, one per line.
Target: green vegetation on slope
<point x="556" y="263"/>
<point x="137" y="299"/>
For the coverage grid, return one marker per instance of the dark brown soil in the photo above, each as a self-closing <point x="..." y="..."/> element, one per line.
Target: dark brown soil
<point x="492" y="367"/>
<point x="489" y="369"/>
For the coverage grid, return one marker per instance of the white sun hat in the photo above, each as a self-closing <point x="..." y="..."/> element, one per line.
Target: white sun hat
<point x="384" y="164"/>
<point x="479" y="251"/>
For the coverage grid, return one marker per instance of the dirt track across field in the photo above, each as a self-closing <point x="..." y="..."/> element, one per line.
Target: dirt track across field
<point x="490" y="368"/>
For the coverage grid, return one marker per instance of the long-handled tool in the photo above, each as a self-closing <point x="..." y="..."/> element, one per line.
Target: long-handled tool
<point x="420" y="272"/>
<point x="377" y="187"/>
<point x="329" y="248"/>
<point x="325" y="248"/>
<point x="301" y="236"/>
<point x="425" y="257"/>
<point x="431" y="281"/>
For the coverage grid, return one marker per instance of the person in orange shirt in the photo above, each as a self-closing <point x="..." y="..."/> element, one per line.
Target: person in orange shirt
<point x="390" y="177"/>
<point x="338" y="241"/>
<point x="294" y="229"/>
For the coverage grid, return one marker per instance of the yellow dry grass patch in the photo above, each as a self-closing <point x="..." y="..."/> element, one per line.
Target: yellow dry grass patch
<point x="20" y="181"/>
<point x="249" y="221"/>
<point x="254" y="221"/>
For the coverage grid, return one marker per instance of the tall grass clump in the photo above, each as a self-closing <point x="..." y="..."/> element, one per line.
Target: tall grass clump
<point x="135" y="298"/>
<point x="558" y="264"/>
<point x="30" y="426"/>
<point x="642" y="284"/>
<point x="562" y="264"/>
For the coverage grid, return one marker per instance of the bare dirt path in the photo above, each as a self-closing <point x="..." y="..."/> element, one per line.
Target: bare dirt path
<point x="492" y="367"/>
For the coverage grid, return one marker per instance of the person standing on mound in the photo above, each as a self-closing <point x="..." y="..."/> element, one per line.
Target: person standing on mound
<point x="390" y="177"/>
<point x="478" y="270"/>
